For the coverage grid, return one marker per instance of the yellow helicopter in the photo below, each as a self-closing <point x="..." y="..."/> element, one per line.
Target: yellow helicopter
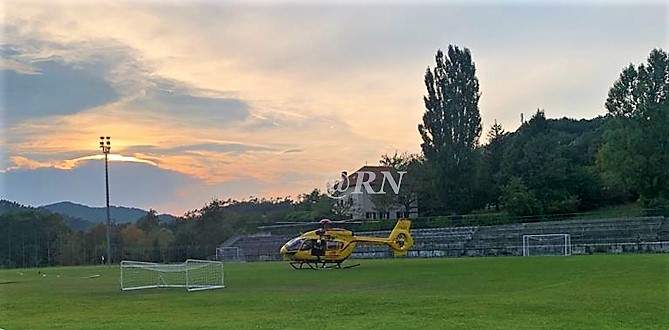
<point x="329" y="247"/>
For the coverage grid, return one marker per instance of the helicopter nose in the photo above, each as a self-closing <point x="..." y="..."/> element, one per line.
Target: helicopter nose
<point x="285" y="255"/>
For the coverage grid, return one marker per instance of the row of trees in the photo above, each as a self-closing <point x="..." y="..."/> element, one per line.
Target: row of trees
<point x="547" y="165"/>
<point x="35" y="237"/>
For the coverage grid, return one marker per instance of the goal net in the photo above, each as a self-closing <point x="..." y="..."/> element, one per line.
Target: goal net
<point x="228" y="254"/>
<point x="547" y="244"/>
<point x="192" y="274"/>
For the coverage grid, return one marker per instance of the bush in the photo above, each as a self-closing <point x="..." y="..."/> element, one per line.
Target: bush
<point x="567" y="204"/>
<point x="518" y="200"/>
<point x="656" y="206"/>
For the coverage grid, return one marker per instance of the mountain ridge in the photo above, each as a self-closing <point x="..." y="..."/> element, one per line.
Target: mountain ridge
<point x="118" y="214"/>
<point x="83" y="217"/>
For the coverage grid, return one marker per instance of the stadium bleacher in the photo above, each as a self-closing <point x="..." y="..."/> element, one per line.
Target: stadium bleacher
<point x="615" y="235"/>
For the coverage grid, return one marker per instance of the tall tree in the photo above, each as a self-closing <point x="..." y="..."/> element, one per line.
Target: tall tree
<point x="491" y="165"/>
<point x="452" y="126"/>
<point x="635" y="153"/>
<point x="640" y="89"/>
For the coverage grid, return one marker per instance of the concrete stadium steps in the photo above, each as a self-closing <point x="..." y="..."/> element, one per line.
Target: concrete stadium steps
<point x="507" y="239"/>
<point x="663" y="234"/>
<point x="615" y="235"/>
<point x="260" y="247"/>
<point x="432" y="242"/>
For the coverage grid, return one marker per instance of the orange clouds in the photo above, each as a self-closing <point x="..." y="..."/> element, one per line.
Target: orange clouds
<point x="221" y="93"/>
<point x="19" y="162"/>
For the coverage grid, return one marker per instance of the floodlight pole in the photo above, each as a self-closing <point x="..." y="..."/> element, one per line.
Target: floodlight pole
<point x="105" y="145"/>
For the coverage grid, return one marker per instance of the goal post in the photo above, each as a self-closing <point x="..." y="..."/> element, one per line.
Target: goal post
<point x="193" y="275"/>
<point x="547" y="244"/>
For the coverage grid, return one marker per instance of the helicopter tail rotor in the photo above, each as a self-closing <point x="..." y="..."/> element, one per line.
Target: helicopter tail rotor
<point x="400" y="239"/>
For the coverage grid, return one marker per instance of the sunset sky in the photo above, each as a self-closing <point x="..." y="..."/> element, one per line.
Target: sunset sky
<point x="205" y="100"/>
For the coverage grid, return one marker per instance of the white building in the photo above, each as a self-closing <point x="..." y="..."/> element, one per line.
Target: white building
<point x="364" y="201"/>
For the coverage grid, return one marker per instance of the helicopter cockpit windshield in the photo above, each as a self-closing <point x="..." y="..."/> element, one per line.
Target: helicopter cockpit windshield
<point x="294" y="244"/>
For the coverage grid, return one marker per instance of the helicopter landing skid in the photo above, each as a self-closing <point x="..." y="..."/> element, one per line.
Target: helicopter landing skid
<point x="319" y="265"/>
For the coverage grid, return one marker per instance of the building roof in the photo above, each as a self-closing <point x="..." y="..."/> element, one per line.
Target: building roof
<point x="377" y="170"/>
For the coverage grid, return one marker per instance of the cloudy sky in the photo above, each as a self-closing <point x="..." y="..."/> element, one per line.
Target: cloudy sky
<point x="222" y="100"/>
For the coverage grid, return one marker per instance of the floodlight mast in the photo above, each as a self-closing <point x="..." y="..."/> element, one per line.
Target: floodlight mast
<point x="105" y="146"/>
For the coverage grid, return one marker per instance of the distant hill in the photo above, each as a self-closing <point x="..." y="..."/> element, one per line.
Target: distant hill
<point x="13" y="207"/>
<point x="118" y="214"/>
<point x="8" y="207"/>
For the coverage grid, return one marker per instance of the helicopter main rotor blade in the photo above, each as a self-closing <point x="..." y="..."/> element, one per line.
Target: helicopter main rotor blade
<point x="303" y="224"/>
<point x="318" y="222"/>
<point x="279" y="226"/>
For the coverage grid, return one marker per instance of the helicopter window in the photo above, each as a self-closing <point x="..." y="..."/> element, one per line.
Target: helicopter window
<point x="294" y="244"/>
<point x="333" y="245"/>
<point x="308" y="245"/>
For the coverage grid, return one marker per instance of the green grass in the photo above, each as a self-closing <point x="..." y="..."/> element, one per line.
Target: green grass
<point x="579" y="292"/>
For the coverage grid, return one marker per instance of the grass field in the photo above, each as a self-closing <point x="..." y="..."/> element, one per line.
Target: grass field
<point x="578" y="292"/>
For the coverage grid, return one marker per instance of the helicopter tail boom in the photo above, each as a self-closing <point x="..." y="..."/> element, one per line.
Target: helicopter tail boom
<point x="399" y="240"/>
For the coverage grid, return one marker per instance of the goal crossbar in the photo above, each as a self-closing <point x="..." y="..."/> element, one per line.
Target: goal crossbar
<point x="547" y="244"/>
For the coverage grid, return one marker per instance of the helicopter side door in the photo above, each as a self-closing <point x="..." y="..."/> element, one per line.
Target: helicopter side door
<point x="333" y="248"/>
<point x="317" y="247"/>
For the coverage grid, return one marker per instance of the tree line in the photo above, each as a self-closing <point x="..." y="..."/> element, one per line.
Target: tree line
<point x="36" y="237"/>
<point x="546" y="166"/>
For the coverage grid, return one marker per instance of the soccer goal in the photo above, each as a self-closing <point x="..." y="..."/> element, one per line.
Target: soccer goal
<point x="229" y="254"/>
<point x="192" y="274"/>
<point x="547" y="244"/>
